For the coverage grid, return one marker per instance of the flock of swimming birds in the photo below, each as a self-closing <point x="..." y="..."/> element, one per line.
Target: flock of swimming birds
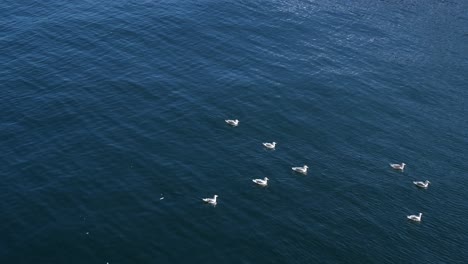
<point x="303" y="170"/>
<point x="420" y="184"/>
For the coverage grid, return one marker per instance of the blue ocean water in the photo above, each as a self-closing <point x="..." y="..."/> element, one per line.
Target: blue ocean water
<point x="108" y="106"/>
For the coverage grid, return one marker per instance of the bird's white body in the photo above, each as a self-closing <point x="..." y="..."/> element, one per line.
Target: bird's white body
<point x="421" y="184"/>
<point x="270" y="145"/>
<point x="398" y="166"/>
<point x="232" y="122"/>
<point x="261" y="182"/>
<point x="211" y="200"/>
<point x="416" y="218"/>
<point x="302" y="170"/>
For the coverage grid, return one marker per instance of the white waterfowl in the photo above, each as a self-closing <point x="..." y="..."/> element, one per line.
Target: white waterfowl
<point x="416" y="218"/>
<point x="261" y="182"/>
<point x="398" y="166"/>
<point x="421" y="184"/>
<point x="270" y="145"/>
<point x="232" y="122"/>
<point x="302" y="170"/>
<point x="211" y="200"/>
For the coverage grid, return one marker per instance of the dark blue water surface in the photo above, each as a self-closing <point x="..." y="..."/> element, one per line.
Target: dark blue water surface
<point x="107" y="106"/>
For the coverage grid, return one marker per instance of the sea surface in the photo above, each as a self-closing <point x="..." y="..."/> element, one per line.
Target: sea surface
<point x="112" y="130"/>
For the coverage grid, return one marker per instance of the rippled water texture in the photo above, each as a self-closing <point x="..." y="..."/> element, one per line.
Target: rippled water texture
<point x="108" y="106"/>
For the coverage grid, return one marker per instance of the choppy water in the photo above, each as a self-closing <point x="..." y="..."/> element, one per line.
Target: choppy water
<point x="107" y="106"/>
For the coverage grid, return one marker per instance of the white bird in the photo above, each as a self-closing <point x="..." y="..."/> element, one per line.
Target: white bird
<point x="270" y="145"/>
<point x="416" y="218"/>
<point x="261" y="182"/>
<point x="302" y="170"/>
<point x="398" y="166"/>
<point x="421" y="184"/>
<point x="211" y="200"/>
<point x="231" y="122"/>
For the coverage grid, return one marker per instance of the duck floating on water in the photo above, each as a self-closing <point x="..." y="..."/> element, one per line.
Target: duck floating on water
<point x="232" y="122"/>
<point x="302" y="170"/>
<point x="421" y="184"/>
<point x="261" y="182"/>
<point x="415" y="218"/>
<point x="270" y="145"/>
<point x="397" y="166"/>
<point x="211" y="200"/>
